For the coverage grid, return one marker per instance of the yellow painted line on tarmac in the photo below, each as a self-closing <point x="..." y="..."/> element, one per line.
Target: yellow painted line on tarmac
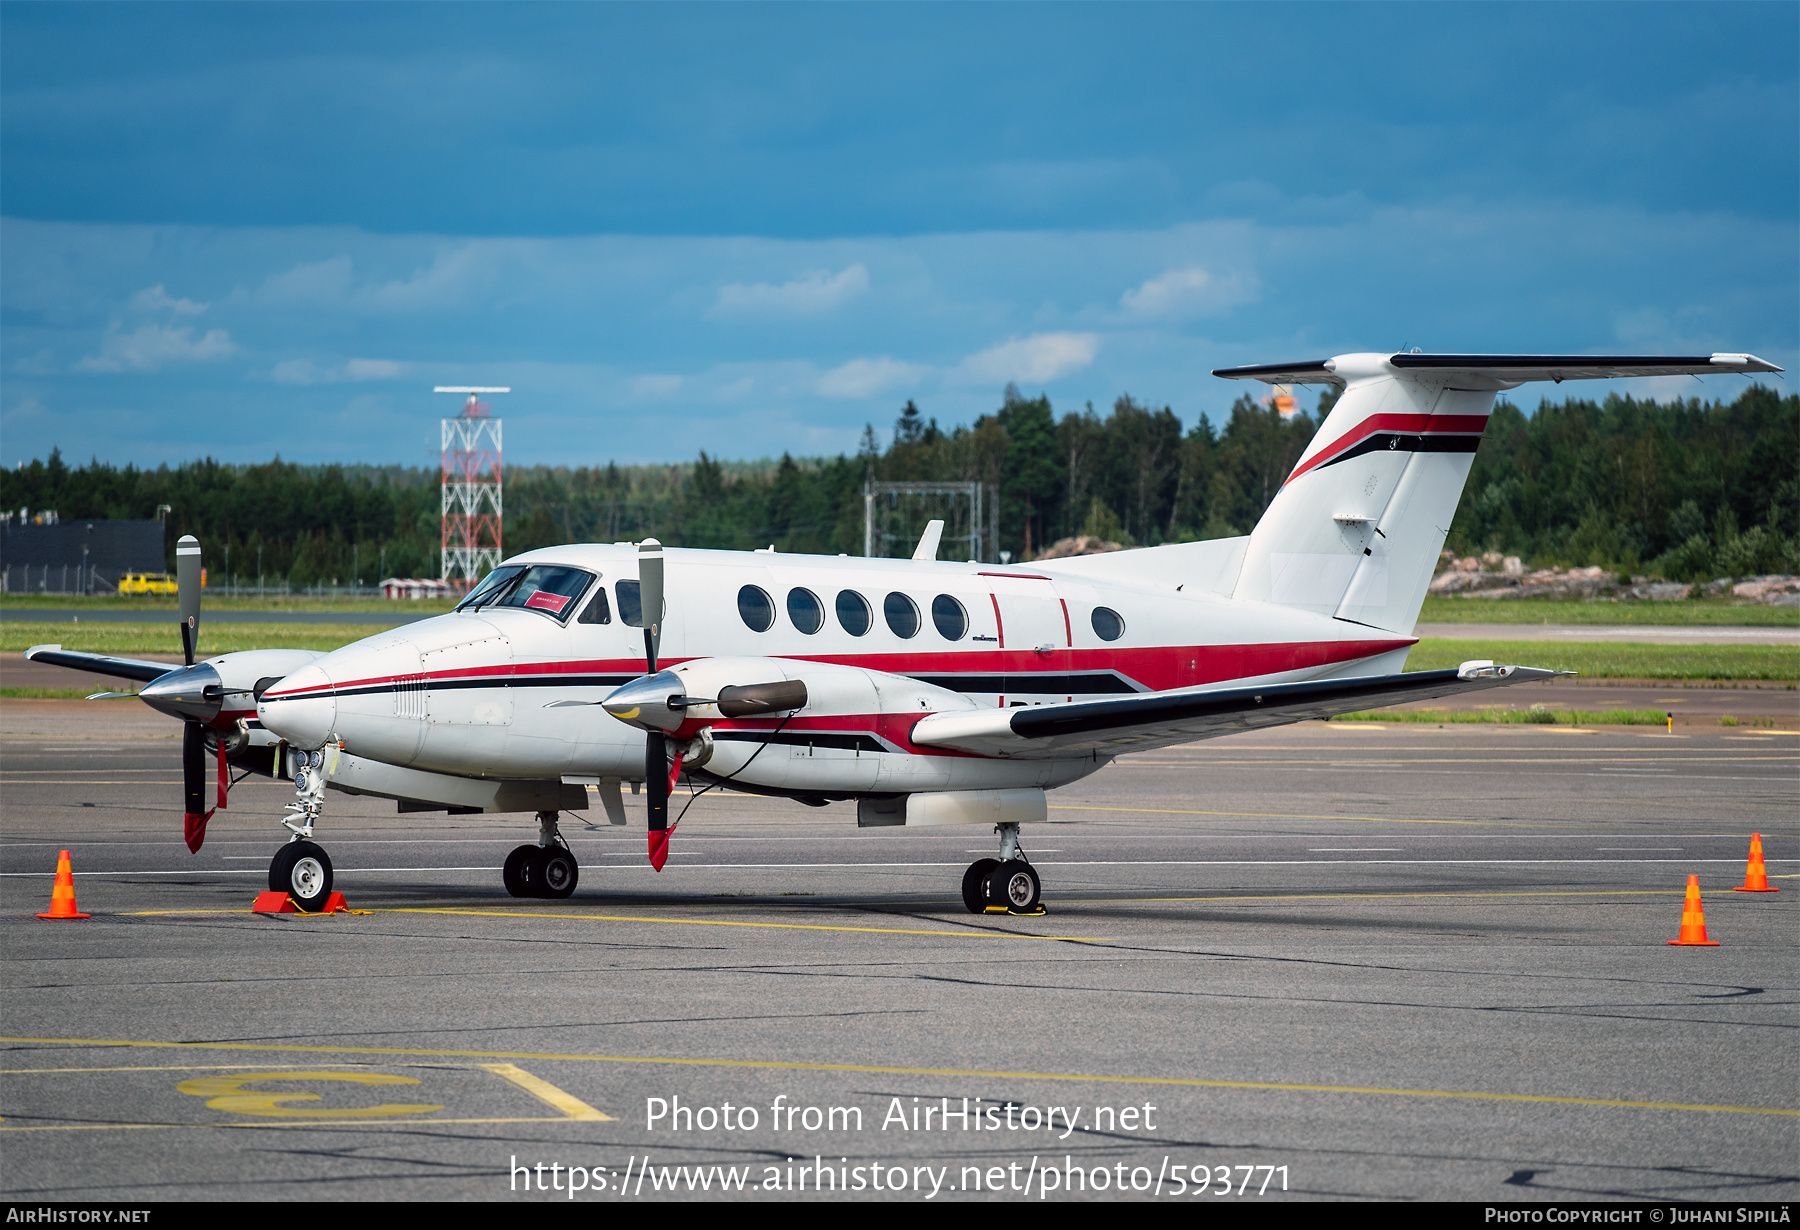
<point x="309" y="1123"/>
<point x="776" y="1065"/>
<point x="1276" y="815"/>
<point x="1595" y="892"/>
<point x="571" y="1106"/>
<point x="690" y="922"/>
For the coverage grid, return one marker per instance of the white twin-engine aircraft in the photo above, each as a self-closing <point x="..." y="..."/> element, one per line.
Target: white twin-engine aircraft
<point x="925" y="692"/>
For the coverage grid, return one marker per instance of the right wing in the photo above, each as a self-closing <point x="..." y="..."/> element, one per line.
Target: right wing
<point x="99" y="663"/>
<point x="1160" y="719"/>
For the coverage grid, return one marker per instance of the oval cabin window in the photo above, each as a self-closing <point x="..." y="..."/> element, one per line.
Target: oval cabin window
<point x="756" y="608"/>
<point x="853" y="612"/>
<point x="948" y="614"/>
<point x="901" y="614"/>
<point x="805" y="610"/>
<point x="1108" y="626"/>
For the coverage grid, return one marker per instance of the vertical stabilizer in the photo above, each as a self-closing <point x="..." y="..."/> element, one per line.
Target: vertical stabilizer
<point x="1356" y="529"/>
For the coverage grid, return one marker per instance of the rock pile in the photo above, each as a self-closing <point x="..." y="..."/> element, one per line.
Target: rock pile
<point x="1081" y="544"/>
<point x="1495" y="576"/>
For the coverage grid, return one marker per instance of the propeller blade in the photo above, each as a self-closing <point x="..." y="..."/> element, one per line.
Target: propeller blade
<point x="194" y="783"/>
<point x="656" y="793"/>
<point x="187" y="591"/>
<point x="650" y="594"/>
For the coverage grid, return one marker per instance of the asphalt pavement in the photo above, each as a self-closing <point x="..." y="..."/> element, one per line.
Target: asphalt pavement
<point x="1352" y="961"/>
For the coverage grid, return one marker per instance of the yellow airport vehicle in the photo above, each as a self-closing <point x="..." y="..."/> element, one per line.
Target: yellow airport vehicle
<point x="146" y="583"/>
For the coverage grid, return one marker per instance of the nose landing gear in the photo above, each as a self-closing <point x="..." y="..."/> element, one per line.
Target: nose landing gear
<point x="301" y="868"/>
<point x="1006" y="885"/>
<point x="547" y="869"/>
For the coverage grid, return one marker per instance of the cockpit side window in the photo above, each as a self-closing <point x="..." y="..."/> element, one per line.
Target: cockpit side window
<point x="550" y="588"/>
<point x="598" y="611"/>
<point x="491" y="587"/>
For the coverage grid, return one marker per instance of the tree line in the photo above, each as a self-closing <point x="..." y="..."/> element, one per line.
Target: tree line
<point x="1684" y="489"/>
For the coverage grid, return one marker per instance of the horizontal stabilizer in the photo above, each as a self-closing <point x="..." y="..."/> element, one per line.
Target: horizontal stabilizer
<point x="99" y="663"/>
<point x="1162" y="719"/>
<point x="1505" y="370"/>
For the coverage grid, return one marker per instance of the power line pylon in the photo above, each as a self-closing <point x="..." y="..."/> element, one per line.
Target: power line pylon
<point x="471" y="496"/>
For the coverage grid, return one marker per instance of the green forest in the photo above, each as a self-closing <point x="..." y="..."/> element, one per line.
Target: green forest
<point x="1684" y="490"/>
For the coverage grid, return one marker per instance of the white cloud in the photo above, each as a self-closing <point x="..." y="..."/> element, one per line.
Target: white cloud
<point x="156" y="299"/>
<point x="315" y="283"/>
<point x="655" y="385"/>
<point x="1035" y="359"/>
<point x="372" y="369"/>
<point x="816" y="291"/>
<point x="353" y="371"/>
<point x="148" y="347"/>
<point x="1185" y="292"/>
<point x="867" y="377"/>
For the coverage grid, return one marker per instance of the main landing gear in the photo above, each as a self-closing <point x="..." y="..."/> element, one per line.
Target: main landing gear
<point x="547" y="869"/>
<point x="1004" y="885"/>
<point x="301" y="868"/>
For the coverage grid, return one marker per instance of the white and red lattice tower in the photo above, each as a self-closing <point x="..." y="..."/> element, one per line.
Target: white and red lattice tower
<point x="471" y="490"/>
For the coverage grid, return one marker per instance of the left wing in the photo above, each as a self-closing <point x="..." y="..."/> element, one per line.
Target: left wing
<point x="1160" y="719"/>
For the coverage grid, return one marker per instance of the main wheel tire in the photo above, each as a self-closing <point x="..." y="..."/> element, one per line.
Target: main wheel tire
<point x="1014" y="884"/>
<point x="302" y="870"/>
<point x="554" y="872"/>
<point x="975" y="884"/>
<point x="513" y="872"/>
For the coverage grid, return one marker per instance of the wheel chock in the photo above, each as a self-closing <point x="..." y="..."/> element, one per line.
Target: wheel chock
<point x="335" y="904"/>
<point x="1033" y="912"/>
<point x="274" y="903"/>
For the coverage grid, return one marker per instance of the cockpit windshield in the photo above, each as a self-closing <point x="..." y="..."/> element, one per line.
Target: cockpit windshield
<point x="550" y="588"/>
<point x="490" y="587"/>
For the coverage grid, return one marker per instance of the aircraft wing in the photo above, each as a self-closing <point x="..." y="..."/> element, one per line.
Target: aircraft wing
<point x="99" y="663"/>
<point x="1161" y="719"/>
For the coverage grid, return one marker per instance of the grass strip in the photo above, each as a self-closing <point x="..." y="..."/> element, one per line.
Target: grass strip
<point x="1626" y="660"/>
<point x="1698" y="612"/>
<point x="1537" y="715"/>
<point x="129" y="639"/>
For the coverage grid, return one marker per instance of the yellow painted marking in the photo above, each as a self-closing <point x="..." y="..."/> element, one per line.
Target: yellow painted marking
<point x="1620" y="892"/>
<point x="689" y="922"/>
<point x="1275" y="815"/>
<point x="171" y="1067"/>
<point x="775" y="1065"/>
<point x="310" y="1123"/>
<point x="571" y="1106"/>
<point x="228" y="1093"/>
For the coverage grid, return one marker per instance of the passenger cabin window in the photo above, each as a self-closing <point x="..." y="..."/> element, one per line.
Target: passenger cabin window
<point x="631" y="605"/>
<point x="490" y="588"/>
<point x="805" y="610"/>
<point x="549" y="588"/>
<point x="599" y="611"/>
<point x="1108" y="625"/>
<point x="853" y="612"/>
<point x="756" y="608"/>
<point x="948" y="615"/>
<point x="901" y="614"/>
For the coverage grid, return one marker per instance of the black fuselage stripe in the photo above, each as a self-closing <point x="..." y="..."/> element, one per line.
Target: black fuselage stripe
<point x="1013" y="683"/>
<point x="1409" y="442"/>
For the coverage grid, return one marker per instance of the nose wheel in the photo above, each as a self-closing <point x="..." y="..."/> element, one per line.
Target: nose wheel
<point x="1005" y="885"/>
<point x="302" y="870"/>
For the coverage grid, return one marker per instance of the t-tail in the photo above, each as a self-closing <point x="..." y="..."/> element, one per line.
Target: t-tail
<point x="1355" y="531"/>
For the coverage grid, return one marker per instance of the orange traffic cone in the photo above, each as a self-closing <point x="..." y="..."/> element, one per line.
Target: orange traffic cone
<point x="62" y="897"/>
<point x="1693" y="918"/>
<point x="1756" y="876"/>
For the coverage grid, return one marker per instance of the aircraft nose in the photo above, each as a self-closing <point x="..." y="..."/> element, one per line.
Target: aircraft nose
<point x="645" y="702"/>
<point x="191" y="693"/>
<point x="301" y="708"/>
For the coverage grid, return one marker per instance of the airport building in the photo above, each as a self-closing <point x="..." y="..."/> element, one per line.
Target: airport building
<point x="42" y="553"/>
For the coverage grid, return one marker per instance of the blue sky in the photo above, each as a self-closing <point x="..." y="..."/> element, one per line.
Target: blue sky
<point x="239" y="230"/>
